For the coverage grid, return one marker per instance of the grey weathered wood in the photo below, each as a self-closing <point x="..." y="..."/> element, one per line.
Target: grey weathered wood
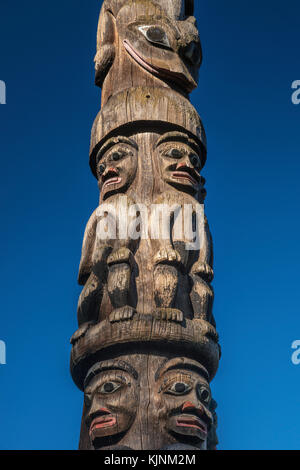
<point x="147" y="300"/>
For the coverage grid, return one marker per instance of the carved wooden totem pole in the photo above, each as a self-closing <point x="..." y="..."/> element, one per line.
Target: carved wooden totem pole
<point x="147" y="348"/>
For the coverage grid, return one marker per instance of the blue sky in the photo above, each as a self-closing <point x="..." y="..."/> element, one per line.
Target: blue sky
<point x="47" y="193"/>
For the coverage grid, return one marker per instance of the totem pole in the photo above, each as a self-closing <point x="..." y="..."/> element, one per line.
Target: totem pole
<point x="146" y="348"/>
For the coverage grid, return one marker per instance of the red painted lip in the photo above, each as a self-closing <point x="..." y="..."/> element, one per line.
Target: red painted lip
<point x="114" y="180"/>
<point x="188" y="421"/>
<point x="102" y="422"/>
<point x="184" y="175"/>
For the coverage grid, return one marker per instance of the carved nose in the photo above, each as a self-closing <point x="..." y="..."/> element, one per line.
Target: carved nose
<point x="110" y="171"/>
<point x="189" y="406"/>
<point x="105" y="411"/>
<point x="183" y="165"/>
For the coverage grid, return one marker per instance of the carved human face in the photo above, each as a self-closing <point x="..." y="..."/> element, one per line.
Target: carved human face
<point x="185" y="400"/>
<point x="116" y="165"/>
<point x="111" y="398"/>
<point x="180" y="162"/>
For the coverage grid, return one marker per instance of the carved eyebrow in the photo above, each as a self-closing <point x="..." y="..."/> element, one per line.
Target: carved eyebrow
<point x="115" y="141"/>
<point x="187" y="366"/>
<point x="109" y="366"/>
<point x="178" y="137"/>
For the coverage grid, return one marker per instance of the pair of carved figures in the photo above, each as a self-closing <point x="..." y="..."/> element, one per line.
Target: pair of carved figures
<point x="147" y="256"/>
<point x="120" y="412"/>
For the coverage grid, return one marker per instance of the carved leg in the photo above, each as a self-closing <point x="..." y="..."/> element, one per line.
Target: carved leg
<point x="202" y="298"/>
<point x="90" y="300"/>
<point x="165" y="290"/>
<point x="119" y="278"/>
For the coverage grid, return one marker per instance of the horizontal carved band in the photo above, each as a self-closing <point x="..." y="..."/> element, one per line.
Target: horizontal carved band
<point x="197" y="338"/>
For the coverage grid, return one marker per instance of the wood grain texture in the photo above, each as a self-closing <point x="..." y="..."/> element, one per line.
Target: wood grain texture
<point x="146" y="43"/>
<point x="199" y="338"/>
<point x="146" y="348"/>
<point x="120" y="412"/>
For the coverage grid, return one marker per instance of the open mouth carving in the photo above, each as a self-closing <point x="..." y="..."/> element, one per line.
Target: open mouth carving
<point x="192" y="422"/>
<point x="179" y="78"/>
<point x="110" y="178"/>
<point x="187" y="174"/>
<point x="104" y="421"/>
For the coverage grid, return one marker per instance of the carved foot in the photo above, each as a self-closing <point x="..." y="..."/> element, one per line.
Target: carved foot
<point x="123" y="255"/>
<point x="167" y="256"/>
<point x="169" y="314"/>
<point x="122" y="314"/>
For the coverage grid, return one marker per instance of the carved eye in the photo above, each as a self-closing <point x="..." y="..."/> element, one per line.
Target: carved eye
<point x="195" y="160"/>
<point x="203" y="394"/>
<point x="109" y="387"/>
<point x="101" y="169"/>
<point x="179" y="388"/>
<point x="175" y="153"/>
<point x="155" y="34"/>
<point x="117" y="156"/>
<point x="87" y="400"/>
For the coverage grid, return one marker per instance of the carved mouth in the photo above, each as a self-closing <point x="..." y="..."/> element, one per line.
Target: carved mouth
<point x="110" y="178"/>
<point x="189" y="421"/>
<point x="101" y="422"/>
<point x="180" y="78"/>
<point x="185" y="175"/>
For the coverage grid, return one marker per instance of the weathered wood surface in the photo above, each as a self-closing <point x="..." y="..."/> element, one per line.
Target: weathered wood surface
<point x="196" y="338"/>
<point x="119" y="411"/>
<point x="147" y="43"/>
<point x="147" y="297"/>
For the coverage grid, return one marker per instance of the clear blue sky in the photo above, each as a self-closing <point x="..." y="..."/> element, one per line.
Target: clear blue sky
<point x="251" y="58"/>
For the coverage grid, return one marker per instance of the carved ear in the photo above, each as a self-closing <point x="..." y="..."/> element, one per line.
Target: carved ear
<point x="85" y="267"/>
<point x="106" y="37"/>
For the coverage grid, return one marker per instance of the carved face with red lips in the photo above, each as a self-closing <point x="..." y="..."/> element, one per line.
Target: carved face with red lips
<point x="111" y="398"/>
<point x="180" y="162"/>
<point x="185" y="400"/>
<point x="116" y="165"/>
